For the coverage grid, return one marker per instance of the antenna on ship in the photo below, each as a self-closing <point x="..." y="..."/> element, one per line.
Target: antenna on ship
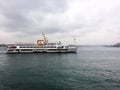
<point x="45" y="39"/>
<point x="74" y="41"/>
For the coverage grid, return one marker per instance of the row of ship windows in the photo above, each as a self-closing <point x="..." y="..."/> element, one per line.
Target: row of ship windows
<point x="26" y="49"/>
<point x="39" y="47"/>
<point x="42" y="50"/>
<point x="37" y="50"/>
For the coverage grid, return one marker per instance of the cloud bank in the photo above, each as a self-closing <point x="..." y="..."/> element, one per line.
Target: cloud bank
<point x="90" y="21"/>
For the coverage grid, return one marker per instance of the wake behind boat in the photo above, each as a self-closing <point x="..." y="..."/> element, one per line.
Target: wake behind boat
<point x="42" y="46"/>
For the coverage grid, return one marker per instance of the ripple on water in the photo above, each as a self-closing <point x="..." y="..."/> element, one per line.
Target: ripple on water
<point x="91" y="68"/>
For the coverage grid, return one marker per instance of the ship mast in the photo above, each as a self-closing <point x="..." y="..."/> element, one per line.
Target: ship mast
<point x="45" y="39"/>
<point x="74" y="41"/>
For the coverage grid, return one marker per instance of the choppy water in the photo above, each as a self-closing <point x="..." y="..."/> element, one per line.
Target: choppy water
<point x="92" y="68"/>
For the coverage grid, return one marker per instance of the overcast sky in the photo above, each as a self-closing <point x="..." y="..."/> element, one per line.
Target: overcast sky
<point x="90" y="21"/>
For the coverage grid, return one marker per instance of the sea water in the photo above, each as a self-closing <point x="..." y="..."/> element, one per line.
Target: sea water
<point x="91" y="68"/>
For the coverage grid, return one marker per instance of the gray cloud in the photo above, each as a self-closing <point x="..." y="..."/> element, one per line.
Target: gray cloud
<point x="61" y="18"/>
<point x="17" y="12"/>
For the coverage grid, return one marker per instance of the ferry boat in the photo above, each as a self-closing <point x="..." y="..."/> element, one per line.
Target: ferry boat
<point x="42" y="46"/>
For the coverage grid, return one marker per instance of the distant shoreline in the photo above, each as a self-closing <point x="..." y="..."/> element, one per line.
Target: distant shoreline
<point x="115" y="45"/>
<point x="3" y="45"/>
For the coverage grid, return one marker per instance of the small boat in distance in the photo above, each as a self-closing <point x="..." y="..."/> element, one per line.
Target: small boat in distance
<point x="42" y="46"/>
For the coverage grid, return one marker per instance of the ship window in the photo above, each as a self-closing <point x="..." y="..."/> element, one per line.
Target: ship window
<point x="40" y="49"/>
<point x="10" y="50"/>
<point x="26" y="49"/>
<point x="54" y="46"/>
<point x="52" y="49"/>
<point x="17" y="50"/>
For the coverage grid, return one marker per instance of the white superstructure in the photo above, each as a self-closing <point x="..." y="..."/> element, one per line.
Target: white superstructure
<point x="42" y="46"/>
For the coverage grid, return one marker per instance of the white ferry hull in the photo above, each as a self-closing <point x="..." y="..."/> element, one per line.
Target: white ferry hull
<point x="43" y="51"/>
<point x="11" y="52"/>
